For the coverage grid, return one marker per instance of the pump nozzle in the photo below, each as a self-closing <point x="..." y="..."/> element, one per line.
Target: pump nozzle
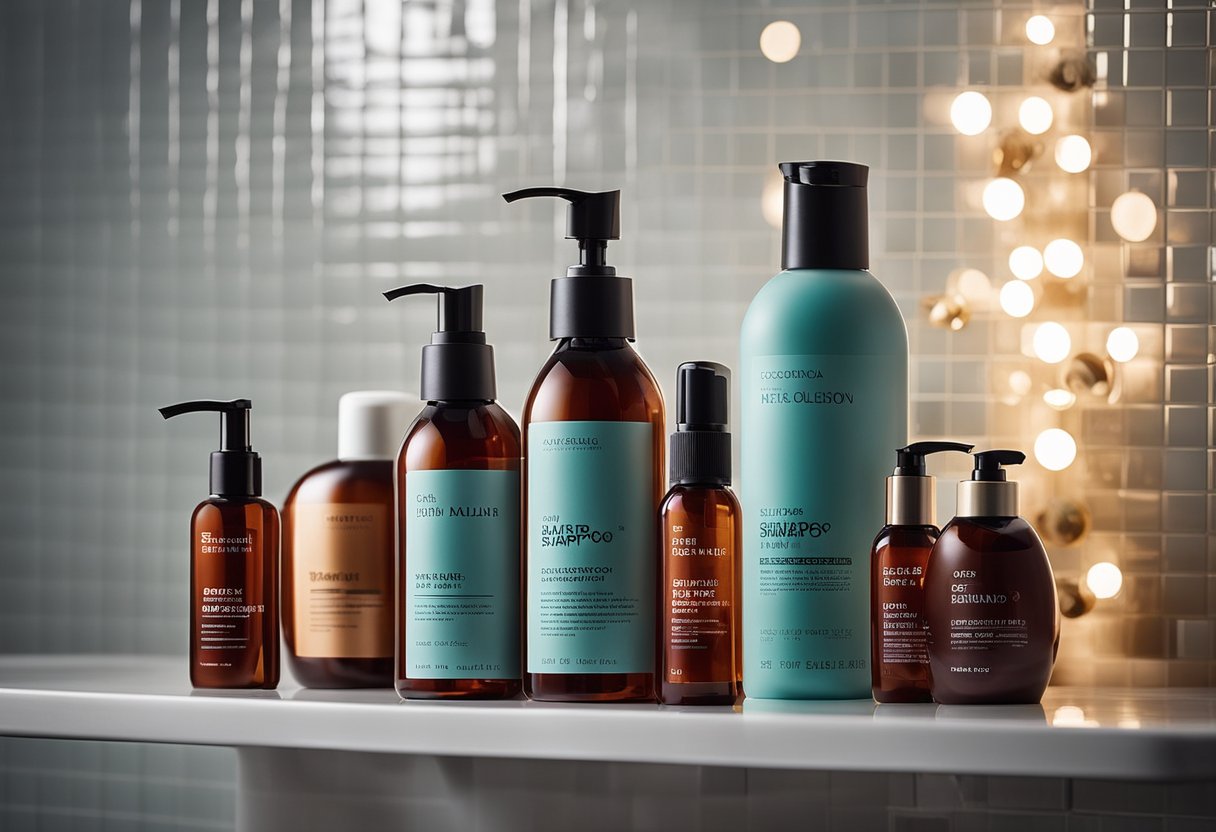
<point x="988" y="465"/>
<point x="599" y="304"/>
<point x="236" y="471"/>
<point x="988" y="493"/>
<point x="700" y="447"/>
<point x="910" y="460"/>
<point x="458" y="364"/>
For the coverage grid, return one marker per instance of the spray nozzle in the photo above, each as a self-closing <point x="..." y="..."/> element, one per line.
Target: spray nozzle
<point x="910" y="460"/>
<point x="235" y="469"/>
<point x="460" y="308"/>
<point x="458" y="364"/>
<point x="702" y="396"/>
<point x="988" y="465"/>
<point x="593" y="218"/>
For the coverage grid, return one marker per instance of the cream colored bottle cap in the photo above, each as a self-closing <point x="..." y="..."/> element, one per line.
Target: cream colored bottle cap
<point x="372" y="423"/>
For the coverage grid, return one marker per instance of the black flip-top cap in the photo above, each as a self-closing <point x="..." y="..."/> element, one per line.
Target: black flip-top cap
<point x="458" y="364"/>
<point x="700" y="447"/>
<point x="826" y="218"/>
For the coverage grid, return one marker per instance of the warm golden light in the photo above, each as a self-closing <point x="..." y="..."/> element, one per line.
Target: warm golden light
<point x="780" y="41"/>
<point x="1073" y="154"/>
<point x="772" y="200"/>
<point x="1059" y="399"/>
<point x="1035" y="115"/>
<point x="1063" y="258"/>
<point x="1104" y="579"/>
<point x="1019" y="382"/>
<point x="970" y="113"/>
<point x="1134" y="216"/>
<point x="1026" y="262"/>
<point x="1017" y="299"/>
<point x="1055" y="449"/>
<point x="1122" y="344"/>
<point x="1052" y="343"/>
<point x="1040" y="30"/>
<point x="974" y="285"/>
<point x="1003" y="199"/>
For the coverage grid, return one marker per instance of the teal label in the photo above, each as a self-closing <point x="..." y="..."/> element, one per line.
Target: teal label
<point x="820" y="434"/>
<point x="462" y="575"/>
<point x="592" y="550"/>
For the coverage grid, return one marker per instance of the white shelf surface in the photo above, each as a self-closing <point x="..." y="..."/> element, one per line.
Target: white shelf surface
<point x="1141" y="734"/>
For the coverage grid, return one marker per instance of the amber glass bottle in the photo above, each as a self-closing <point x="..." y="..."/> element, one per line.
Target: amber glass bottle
<point x="899" y="660"/>
<point x="701" y="525"/>
<point x="458" y="634"/>
<point x="593" y="478"/>
<point x="338" y="545"/>
<point x="234" y="562"/>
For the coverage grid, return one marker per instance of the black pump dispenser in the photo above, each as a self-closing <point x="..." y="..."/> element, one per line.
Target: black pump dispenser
<point x="236" y="470"/>
<point x="988" y="465"/>
<point x="458" y="364"/>
<point x="700" y="447"/>
<point x="910" y="460"/>
<point x="591" y="301"/>
<point x="826" y="223"/>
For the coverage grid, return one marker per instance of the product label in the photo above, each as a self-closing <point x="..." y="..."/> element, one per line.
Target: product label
<point x="819" y="433"/>
<point x="698" y="577"/>
<point x="343" y="580"/>
<point x="461" y="574"/>
<point x="981" y="620"/>
<point x="903" y="640"/>
<point x="592" y="549"/>
<point x="225" y="606"/>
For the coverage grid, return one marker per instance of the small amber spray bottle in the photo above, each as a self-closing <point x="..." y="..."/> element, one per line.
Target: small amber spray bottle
<point x="234" y="562"/>
<point x="701" y="527"/>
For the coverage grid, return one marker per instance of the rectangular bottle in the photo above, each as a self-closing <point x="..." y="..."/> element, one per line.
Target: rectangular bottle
<point x="701" y="523"/>
<point x="593" y="443"/>
<point x="458" y="629"/>
<point x="234" y="563"/>
<point x="824" y="357"/>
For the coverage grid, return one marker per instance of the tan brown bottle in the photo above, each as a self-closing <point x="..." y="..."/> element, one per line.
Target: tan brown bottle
<point x="899" y="657"/>
<point x="338" y="585"/>
<point x="593" y="479"/>
<point x="701" y="525"/>
<point x="234" y="560"/>
<point x="458" y="633"/>
<point x="990" y="597"/>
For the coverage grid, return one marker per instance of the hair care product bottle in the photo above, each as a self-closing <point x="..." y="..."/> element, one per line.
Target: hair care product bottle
<point x="899" y="660"/>
<point x="458" y="629"/>
<point x="234" y="562"/>
<point x="593" y="474"/>
<point x="337" y="596"/>
<point x="701" y="523"/>
<point x="990" y="596"/>
<point x="824" y="355"/>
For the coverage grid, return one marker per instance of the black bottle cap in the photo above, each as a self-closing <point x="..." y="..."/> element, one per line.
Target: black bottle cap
<point x="826" y="220"/>
<point x="458" y="364"/>
<point x="591" y="301"/>
<point x="988" y="465"/>
<point x="236" y="471"/>
<point x="700" y="447"/>
<point x="910" y="460"/>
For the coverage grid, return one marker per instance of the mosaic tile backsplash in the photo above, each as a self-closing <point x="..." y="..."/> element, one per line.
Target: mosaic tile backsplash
<point x="206" y="199"/>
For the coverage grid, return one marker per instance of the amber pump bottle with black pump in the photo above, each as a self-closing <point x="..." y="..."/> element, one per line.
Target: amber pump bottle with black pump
<point x="898" y="560"/>
<point x="593" y="477"/>
<point x="234" y="562"/>
<point x="457" y="486"/>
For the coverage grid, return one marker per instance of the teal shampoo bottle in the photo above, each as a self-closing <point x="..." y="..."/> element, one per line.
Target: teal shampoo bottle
<point x="824" y="360"/>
